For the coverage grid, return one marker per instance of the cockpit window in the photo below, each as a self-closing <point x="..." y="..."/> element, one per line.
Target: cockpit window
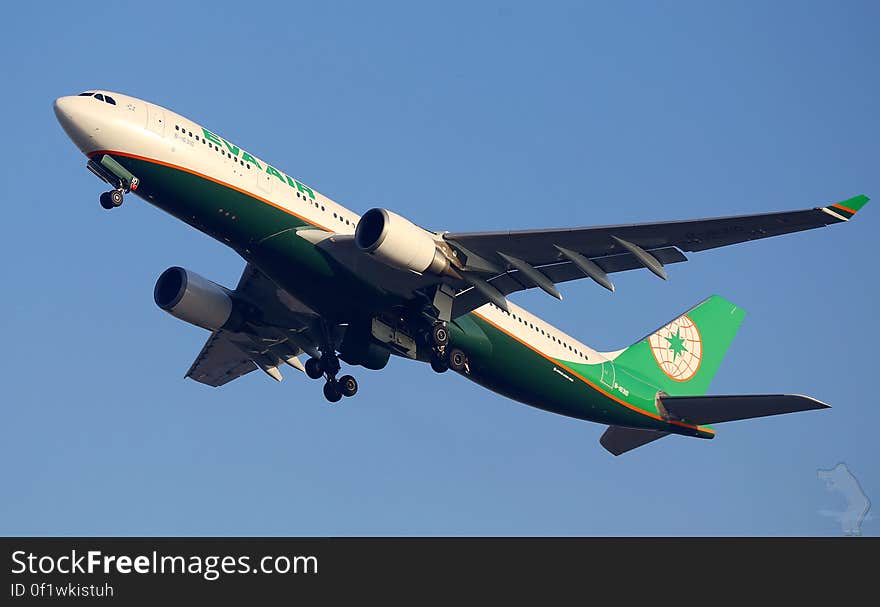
<point x="99" y="97"/>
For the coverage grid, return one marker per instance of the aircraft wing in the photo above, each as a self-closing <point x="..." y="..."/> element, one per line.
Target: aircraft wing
<point x="220" y="361"/>
<point x="559" y="254"/>
<point x="281" y="329"/>
<point x="496" y="264"/>
<point x="538" y="247"/>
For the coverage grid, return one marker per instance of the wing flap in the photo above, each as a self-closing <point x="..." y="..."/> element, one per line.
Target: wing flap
<point x="219" y="362"/>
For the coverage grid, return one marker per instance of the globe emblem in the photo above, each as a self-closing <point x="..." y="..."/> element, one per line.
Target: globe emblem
<point x="678" y="349"/>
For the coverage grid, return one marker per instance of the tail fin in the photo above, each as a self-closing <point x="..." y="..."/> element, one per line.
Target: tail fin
<point x="683" y="356"/>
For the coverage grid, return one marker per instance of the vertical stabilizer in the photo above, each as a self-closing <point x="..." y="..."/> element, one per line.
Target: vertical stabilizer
<point x="683" y="356"/>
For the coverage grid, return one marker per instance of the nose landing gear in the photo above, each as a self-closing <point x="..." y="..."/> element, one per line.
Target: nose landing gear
<point x="112" y="199"/>
<point x="120" y="179"/>
<point x="110" y="171"/>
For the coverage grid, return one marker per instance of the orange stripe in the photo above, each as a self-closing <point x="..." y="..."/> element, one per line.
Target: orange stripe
<point x="589" y="383"/>
<point x="843" y="208"/>
<point x="217" y="181"/>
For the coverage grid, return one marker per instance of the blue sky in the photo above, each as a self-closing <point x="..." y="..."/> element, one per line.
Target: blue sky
<point x="460" y="116"/>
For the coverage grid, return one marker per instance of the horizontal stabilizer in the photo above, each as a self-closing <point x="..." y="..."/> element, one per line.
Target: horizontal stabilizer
<point x="716" y="409"/>
<point x="618" y="439"/>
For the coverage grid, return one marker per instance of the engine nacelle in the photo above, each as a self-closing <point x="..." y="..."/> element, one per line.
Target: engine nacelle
<point x="399" y="243"/>
<point x="192" y="298"/>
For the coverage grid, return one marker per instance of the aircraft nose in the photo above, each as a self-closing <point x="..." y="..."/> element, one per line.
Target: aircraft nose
<point x="63" y="111"/>
<point x="77" y="120"/>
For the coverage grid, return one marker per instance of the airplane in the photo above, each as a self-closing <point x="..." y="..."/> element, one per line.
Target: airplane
<point x="324" y="282"/>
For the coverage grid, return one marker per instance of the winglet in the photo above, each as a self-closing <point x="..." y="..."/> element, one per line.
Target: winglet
<point x="847" y="208"/>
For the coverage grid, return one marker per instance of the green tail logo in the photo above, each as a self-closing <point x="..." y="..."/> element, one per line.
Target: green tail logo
<point x="682" y="357"/>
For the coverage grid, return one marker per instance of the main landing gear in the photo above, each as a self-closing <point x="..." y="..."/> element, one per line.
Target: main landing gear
<point x="112" y="199"/>
<point x="328" y="366"/>
<point x="443" y="357"/>
<point x="438" y="339"/>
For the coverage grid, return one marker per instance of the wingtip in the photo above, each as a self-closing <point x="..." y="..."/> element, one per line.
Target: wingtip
<point x="849" y="207"/>
<point x="857" y="202"/>
<point x="817" y="404"/>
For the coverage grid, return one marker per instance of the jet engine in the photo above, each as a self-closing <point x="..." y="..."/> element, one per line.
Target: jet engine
<point x="399" y="243"/>
<point x="190" y="297"/>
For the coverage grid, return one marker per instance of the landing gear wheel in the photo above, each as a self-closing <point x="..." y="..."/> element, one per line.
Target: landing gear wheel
<point x="314" y="369"/>
<point x="439" y="335"/>
<point x="347" y="385"/>
<point x="332" y="392"/>
<point x="438" y="364"/>
<point x="457" y="360"/>
<point x="106" y="202"/>
<point x="116" y="197"/>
